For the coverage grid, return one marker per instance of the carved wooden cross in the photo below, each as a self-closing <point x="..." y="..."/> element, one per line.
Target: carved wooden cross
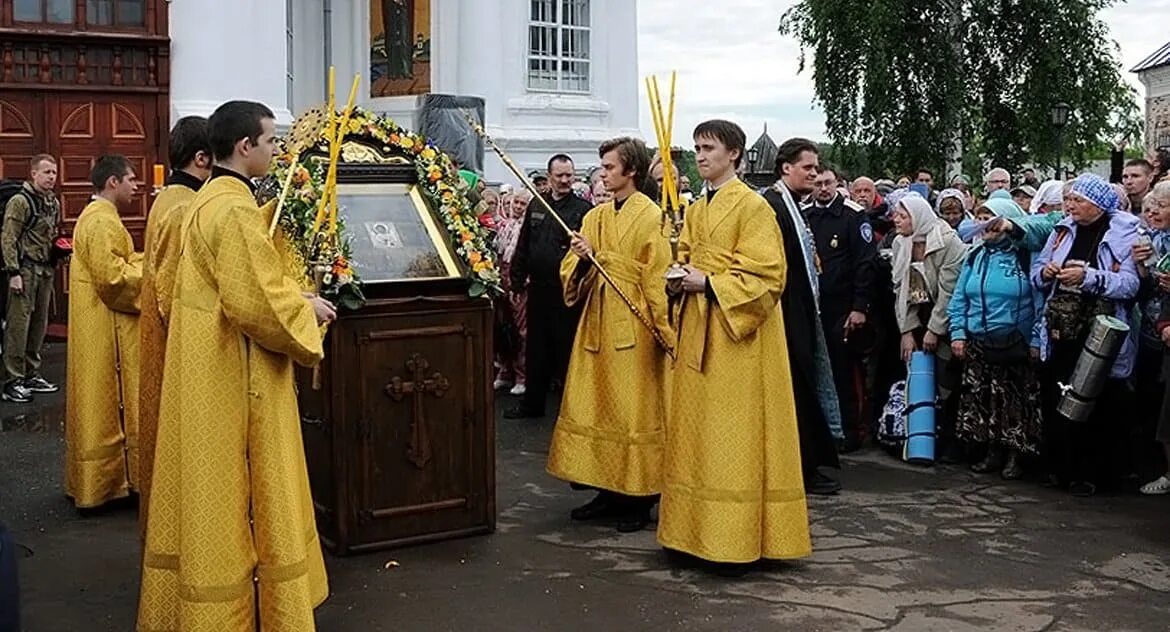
<point x="436" y="384"/>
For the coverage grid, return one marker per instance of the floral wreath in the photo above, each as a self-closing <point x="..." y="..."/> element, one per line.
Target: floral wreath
<point x="468" y="227"/>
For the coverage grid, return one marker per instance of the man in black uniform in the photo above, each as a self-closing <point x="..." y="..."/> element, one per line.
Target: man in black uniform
<point x="537" y="264"/>
<point x="845" y="244"/>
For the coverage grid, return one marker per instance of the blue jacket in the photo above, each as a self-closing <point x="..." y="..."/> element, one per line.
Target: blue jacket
<point x="1114" y="276"/>
<point x="994" y="295"/>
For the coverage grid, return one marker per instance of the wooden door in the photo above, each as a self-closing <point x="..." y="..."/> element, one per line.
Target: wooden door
<point x="83" y="127"/>
<point x="22" y="121"/>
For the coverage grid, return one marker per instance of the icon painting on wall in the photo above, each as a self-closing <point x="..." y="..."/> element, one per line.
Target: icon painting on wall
<point x="400" y="47"/>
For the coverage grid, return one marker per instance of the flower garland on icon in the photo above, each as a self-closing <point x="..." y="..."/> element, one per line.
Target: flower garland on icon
<point x="439" y="182"/>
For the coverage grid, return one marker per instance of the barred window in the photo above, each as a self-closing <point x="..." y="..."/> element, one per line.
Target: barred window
<point x="558" y="46"/>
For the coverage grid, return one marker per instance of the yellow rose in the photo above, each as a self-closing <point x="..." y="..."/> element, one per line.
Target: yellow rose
<point x="407" y="142"/>
<point x="428" y="154"/>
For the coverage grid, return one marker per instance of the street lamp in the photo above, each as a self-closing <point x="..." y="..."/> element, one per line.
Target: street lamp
<point x="1059" y="115"/>
<point x="753" y="155"/>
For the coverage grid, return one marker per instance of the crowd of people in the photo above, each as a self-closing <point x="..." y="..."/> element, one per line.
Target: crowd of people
<point x="714" y="357"/>
<point x="999" y="282"/>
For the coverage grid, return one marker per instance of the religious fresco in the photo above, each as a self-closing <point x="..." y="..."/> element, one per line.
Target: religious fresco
<point x="400" y="47"/>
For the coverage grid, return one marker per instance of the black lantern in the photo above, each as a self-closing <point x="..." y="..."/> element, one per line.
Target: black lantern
<point x="753" y="155"/>
<point x="1059" y="115"/>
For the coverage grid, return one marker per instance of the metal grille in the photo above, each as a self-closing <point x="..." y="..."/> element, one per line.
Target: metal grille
<point x="558" y="46"/>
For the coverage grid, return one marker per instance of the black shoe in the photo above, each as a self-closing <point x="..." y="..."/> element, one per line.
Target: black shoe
<point x="1013" y="470"/>
<point x="634" y="521"/>
<point x="953" y="454"/>
<point x="728" y="570"/>
<point x="38" y="384"/>
<point x="602" y="506"/>
<point x="848" y="445"/>
<point x="1082" y="489"/>
<point x="520" y="412"/>
<point x="818" y="484"/>
<point x="990" y="463"/>
<point x="16" y="393"/>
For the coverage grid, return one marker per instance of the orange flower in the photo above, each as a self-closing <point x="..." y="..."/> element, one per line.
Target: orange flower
<point x="466" y="236"/>
<point x="474" y="257"/>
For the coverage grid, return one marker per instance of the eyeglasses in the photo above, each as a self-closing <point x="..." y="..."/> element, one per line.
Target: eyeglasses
<point x="999" y="182"/>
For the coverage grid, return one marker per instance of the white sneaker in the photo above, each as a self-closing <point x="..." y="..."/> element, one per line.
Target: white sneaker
<point x="500" y="385"/>
<point x="519" y="389"/>
<point x="1157" y="487"/>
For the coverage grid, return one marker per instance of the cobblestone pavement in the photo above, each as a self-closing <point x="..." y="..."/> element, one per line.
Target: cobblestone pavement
<point x="902" y="548"/>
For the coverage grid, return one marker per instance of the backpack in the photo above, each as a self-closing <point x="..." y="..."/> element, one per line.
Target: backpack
<point x="8" y="190"/>
<point x="892" y="424"/>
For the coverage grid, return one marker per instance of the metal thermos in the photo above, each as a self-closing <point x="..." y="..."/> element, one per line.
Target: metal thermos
<point x="1079" y="396"/>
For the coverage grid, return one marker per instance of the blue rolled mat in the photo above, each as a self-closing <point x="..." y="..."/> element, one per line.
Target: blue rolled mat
<point x="921" y="402"/>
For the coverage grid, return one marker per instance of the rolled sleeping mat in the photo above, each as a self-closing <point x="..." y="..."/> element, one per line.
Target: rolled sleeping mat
<point x="921" y="402"/>
<point x="1079" y="396"/>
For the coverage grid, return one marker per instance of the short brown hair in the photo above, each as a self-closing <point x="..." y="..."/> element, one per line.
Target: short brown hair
<point x="727" y="133"/>
<point x="39" y="158"/>
<point x="633" y="154"/>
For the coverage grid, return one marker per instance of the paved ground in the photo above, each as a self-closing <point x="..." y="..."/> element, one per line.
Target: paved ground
<point x="903" y="549"/>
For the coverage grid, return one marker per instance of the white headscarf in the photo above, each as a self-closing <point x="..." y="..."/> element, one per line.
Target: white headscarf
<point x="1051" y="193"/>
<point x="928" y="228"/>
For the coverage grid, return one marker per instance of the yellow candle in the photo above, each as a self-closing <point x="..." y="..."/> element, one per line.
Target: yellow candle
<point x="160" y="175"/>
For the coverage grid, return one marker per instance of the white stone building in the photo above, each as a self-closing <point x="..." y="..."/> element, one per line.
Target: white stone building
<point x="556" y="75"/>
<point x="1154" y="72"/>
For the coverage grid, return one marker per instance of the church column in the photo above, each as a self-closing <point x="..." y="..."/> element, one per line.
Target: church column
<point x="223" y="50"/>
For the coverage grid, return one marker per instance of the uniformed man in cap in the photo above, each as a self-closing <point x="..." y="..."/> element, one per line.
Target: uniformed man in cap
<point x="846" y="248"/>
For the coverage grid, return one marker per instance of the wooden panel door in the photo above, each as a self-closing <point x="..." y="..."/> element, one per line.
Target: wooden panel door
<point x="22" y="125"/>
<point x="83" y="127"/>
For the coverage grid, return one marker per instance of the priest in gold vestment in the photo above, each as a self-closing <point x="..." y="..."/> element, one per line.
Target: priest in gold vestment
<point x="190" y="156"/>
<point x="733" y="490"/>
<point x="231" y="542"/>
<point x="609" y="432"/>
<point x="101" y="387"/>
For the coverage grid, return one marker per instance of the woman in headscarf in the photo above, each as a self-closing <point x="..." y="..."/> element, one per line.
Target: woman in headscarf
<point x="1153" y="360"/>
<point x="512" y="313"/>
<point x="952" y="206"/>
<point x="928" y="256"/>
<point x="1086" y="269"/>
<point x="992" y="314"/>
<point x="1049" y="198"/>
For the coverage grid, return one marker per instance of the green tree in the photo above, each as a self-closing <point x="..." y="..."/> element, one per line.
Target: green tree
<point x="909" y="79"/>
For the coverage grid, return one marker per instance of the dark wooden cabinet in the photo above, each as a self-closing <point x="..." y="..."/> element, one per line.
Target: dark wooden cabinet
<point x="400" y="433"/>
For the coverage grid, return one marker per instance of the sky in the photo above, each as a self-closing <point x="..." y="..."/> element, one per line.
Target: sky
<point x="720" y="48"/>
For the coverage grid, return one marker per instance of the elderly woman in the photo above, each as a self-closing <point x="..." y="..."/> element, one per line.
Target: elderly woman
<point x="1049" y="198"/>
<point x="1086" y="269"/>
<point x="992" y="312"/>
<point x="928" y="256"/>
<point x="1154" y="346"/>
<point x="511" y="312"/>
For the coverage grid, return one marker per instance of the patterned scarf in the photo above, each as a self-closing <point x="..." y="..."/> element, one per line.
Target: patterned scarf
<point x="807" y="245"/>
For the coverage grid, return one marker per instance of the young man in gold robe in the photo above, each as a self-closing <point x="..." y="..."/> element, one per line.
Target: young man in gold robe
<point x="733" y="491"/>
<point x="609" y="432"/>
<point x="231" y="543"/>
<point x="101" y="385"/>
<point x="190" y="156"/>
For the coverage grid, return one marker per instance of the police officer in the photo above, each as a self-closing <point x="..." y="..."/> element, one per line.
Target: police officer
<point x="845" y="245"/>
<point x="26" y="240"/>
<point x="537" y="265"/>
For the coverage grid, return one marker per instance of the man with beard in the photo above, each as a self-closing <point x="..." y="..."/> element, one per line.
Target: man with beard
<point x="817" y="409"/>
<point x="845" y="246"/>
<point x="398" y="25"/>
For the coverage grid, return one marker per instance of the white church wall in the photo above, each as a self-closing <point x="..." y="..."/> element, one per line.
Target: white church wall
<point x="226" y="49"/>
